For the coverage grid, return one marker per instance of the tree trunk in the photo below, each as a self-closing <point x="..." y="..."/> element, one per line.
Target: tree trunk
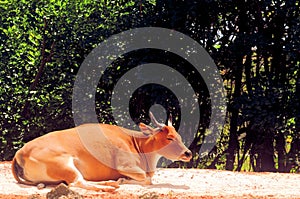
<point x="267" y="155"/>
<point x="280" y="147"/>
<point x="233" y="139"/>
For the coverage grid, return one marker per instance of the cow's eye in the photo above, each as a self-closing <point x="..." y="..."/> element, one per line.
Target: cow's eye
<point x="171" y="139"/>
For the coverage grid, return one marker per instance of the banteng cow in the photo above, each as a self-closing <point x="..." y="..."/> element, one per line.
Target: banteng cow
<point x="98" y="156"/>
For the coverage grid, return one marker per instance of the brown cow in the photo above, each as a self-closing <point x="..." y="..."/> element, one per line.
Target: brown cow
<point x="98" y="156"/>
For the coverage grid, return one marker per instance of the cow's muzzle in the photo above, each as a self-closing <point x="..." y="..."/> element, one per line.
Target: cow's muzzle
<point x="186" y="156"/>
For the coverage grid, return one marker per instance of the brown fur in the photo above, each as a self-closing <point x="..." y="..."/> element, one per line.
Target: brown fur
<point x="61" y="157"/>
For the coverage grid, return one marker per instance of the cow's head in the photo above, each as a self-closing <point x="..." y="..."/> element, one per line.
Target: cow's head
<point x="166" y="141"/>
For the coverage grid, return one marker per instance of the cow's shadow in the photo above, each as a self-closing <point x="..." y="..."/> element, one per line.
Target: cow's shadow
<point x="166" y="185"/>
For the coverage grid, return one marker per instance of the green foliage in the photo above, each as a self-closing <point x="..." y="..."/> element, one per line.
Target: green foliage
<point x="42" y="46"/>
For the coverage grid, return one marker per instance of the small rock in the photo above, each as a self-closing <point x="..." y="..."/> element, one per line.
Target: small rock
<point x="63" y="192"/>
<point x="149" y="195"/>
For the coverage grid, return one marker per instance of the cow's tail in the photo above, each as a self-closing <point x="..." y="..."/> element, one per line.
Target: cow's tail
<point x="18" y="173"/>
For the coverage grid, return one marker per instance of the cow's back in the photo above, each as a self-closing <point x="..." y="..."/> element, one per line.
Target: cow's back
<point x="87" y="144"/>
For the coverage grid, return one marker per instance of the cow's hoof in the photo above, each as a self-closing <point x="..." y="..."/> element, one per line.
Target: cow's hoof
<point x="107" y="188"/>
<point x="112" y="183"/>
<point x="121" y="181"/>
<point x="41" y="186"/>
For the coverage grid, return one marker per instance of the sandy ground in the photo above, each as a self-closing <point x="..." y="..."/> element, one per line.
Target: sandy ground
<point x="179" y="183"/>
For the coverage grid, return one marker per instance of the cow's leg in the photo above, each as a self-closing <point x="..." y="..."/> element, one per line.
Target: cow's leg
<point x="79" y="180"/>
<point x="111" y="183"/>
<point x="146" y="181"/>
<point x="127" y="166"/>
<point x="135" y="175"/>
<point x="107" y="187"/>
<point x="52" y="168"/>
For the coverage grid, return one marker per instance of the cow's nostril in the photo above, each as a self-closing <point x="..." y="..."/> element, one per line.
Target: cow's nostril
<point x="188" y="153"/>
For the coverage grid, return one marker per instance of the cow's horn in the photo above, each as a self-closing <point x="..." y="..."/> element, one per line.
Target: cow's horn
<point x="170" y="120"/>
<point x="155" y="122"/>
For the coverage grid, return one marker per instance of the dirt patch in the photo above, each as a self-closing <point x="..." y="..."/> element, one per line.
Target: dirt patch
<point x="176" y="183"/>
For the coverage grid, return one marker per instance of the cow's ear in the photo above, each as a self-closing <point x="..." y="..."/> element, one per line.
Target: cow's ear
<point x="147" y="130"/>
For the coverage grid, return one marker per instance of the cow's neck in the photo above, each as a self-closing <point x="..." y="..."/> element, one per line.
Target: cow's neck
<point x="149" y="158"/>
